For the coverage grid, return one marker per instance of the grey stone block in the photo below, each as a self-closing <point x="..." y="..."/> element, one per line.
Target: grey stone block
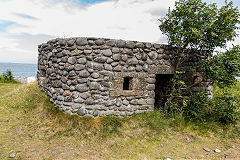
<point x="82" y="111"/>
<point x="81" y="41"/>
<point x="107" y="52"/>
<point x="81" y="87"/>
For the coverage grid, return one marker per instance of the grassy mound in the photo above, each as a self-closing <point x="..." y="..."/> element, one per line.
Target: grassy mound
<point x="33" y="128"/>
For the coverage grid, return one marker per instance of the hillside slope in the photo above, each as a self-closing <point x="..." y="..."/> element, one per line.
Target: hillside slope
<point x="33" y="128"/>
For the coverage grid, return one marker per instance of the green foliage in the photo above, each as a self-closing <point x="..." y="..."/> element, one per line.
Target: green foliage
<point x="172" y="107"/>
<point x="194" y="25"/>
<point x="197" y="109"/>
<point x="226" y="103"/>
<point x="223" y="68"/>
<point x="198" y="25"/>
<point x="225" y="108"/>
<point x="7" y="77"/>
<point x="177" y="101"/>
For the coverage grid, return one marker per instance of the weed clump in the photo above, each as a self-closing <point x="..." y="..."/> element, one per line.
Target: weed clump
<point x="223" y="107"/>
<point x="7" y="77"/>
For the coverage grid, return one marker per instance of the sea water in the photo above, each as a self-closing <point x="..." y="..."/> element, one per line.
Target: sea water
<point x="19" y="69"/>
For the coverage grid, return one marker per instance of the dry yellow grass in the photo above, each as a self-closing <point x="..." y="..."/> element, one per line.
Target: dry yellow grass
<point x="32" y="127"/>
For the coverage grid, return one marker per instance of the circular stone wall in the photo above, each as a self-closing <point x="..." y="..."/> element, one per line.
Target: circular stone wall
<point x="96" y="77"/>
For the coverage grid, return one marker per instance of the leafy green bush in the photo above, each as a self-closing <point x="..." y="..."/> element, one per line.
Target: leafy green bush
<point x="223" y="68"/>
<point x="172" y="108"/>
<point x="177" y="101"/>
<point x="198" y="107"/>
<point x="225" y="108"/>
<point x="7" y="77"/>
<point x="196" y="25"/>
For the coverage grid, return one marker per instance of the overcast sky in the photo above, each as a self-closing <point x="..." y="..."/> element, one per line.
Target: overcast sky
<point x="26" y="23"/>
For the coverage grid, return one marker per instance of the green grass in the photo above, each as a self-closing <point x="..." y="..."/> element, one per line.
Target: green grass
<point x="8" y="81"/>
<point x="234" y="90"/>
<point x="33" y="127"/>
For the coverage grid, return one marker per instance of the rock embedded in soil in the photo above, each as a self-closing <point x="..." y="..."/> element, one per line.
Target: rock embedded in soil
<point x="206" y="149"/>
<point x="12" y="155"/>
<point x="217" y="150"/>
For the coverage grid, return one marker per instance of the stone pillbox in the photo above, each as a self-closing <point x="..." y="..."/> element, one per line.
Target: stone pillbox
<point x="96" y="77"/>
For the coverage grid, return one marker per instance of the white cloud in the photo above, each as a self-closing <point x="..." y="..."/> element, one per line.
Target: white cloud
<point x="132" y="19"/>
<point x="119" y="19"/>
<point x="20" y="47"/>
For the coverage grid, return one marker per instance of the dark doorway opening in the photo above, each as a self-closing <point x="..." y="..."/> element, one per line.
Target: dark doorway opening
<point x="127" y="83"/>
<point x="162" y="89"/>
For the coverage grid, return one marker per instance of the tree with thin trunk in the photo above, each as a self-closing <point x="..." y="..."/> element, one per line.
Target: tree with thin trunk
<point x="196" y="26"/>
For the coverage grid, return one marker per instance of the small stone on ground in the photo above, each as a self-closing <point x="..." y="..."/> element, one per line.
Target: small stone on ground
<point x="167" y="159"/>
<point x="206" y="149"/>
<point x="12" y="155"/>
<point x="217" y="150"/>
